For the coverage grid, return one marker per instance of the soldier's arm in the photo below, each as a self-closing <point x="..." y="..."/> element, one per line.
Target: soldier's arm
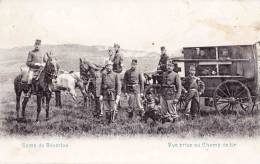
<point x="45" y="58"/>
<point x="118" y="85"/>
<point x="102" y="83"/>
<point x="201" y="86"/>
<point x="141" y="82"/>
<point x="179" y="86"/>
<point x="125" y="81"/>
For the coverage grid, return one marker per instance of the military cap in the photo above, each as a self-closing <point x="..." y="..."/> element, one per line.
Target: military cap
<point x="134" y="61"/>
<point x="163" y="48"/>
<point x="192" y="68"/>
<point x="169" y="62"/>
<point x="37" y="41"/>
<point x="116" y="45"/>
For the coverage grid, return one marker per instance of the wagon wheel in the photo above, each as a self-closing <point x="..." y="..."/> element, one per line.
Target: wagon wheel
<point x="232" y="96"/>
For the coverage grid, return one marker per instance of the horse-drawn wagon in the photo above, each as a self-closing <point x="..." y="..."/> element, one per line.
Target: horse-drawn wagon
<point x="230" y="73"/>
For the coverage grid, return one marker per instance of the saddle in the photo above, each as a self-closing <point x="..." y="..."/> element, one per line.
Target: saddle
<point x="25" y="74"/>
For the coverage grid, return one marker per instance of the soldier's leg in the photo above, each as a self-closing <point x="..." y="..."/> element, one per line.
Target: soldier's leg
<point x="29" y="82"/>
<point x="188" y="99"/>
<point x="140" y="104"/>
<point x="164" y="110"/>
<point x="98" y="108"/>
<point x="195" y="104"/>
<point x="106" y="106"/>
<point x="131" y="102"/>
<point x="172" y="109"/>
<point x="113" y="111"/>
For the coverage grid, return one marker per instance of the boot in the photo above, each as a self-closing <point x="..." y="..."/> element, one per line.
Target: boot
<point x="130" y="115"/>
<point x="113" y="116"/>
<point x="108" y="117"/>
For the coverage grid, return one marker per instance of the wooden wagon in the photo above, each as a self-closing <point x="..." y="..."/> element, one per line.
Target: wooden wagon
<point x="230" y="73"/>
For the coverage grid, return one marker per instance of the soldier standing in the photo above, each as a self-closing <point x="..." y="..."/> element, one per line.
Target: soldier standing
<point x="117" y="59"/>
<point x="194" y="88"/>
<point x="170" y="93"/>
<point x="35" y="61"/>
<point x="134" y="87"/>
<point x="110" y="92"/>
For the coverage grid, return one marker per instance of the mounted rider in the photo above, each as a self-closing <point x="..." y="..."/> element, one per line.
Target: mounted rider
<point x="36" y="60"/>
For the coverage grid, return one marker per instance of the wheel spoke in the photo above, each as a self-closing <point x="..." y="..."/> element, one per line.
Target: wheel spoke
<point x="230" y="107"/>
<point x="227" y="90"/>
<point x="222" y="101"/>
<point x="223" y="92"/>
<point x="240" y="93"/>
<point x="244" y="108"/>
<point x="224" y="107"/>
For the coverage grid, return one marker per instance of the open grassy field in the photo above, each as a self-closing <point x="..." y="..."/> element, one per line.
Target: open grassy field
<point x="74" y="120"/>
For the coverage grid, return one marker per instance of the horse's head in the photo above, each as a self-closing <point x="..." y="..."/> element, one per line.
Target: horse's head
<point x="84" y="65"/>
<point x="51" y="67"/>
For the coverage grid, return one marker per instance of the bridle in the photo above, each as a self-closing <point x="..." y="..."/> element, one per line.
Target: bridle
<point x="50" y="75"/>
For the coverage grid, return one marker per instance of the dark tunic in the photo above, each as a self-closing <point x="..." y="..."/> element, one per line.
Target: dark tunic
<point x="35" y="57"/>
<point x="163" y="62"/>
<point x="133" y="81"/>
<point x="117" y="62"/>
<point x="110" y="86"/>
<point x="171" y="87"/>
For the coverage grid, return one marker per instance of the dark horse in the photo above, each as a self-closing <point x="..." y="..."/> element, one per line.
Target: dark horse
<point x="49" y="72"/>
<point x="91" y="76"/>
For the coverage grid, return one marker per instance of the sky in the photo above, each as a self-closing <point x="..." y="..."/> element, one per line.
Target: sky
<point x="134" y="24"/>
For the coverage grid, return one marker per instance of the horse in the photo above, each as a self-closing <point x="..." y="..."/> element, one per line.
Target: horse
<point x="91" y="75"/>
<point x="42" y="88"/>
<point x="68" y="81"/>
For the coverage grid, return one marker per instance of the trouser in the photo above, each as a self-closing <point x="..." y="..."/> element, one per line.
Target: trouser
<point x="169" y="109"/>
<point x="30" y="76"/>
<point x="98" y="108"/>
<point x="135" y="103"/>
<point x="192" y="102"/>
<point x="110" y="109"/>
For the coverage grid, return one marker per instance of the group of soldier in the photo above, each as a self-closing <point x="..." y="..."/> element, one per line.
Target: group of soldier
<point x="163" y="107"/>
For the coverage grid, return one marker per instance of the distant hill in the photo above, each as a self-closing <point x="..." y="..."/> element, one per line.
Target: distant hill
<point x="68" y="56"/>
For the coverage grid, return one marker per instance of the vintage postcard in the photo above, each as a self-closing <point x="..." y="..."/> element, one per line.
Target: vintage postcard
<point x="130" y="81"/>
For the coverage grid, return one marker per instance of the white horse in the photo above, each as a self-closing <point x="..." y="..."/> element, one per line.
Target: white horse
<point x="68" y="82"/>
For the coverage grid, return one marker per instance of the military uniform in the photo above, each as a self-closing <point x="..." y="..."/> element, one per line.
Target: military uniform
<point x="33" y="58"/>
<point x="194" y="86"/>
<point x="117" y="62"/>
<point x="110" y="89"/>
<point x="134" y="86"/>
<point x="35" y="61"/>
<point x="163" y="62"/>
<point x="170" y="91"/>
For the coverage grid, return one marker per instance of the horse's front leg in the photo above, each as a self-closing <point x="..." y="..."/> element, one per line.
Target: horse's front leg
<point x="25" y="101"/>
<point x="18" y="96"/>
<point x="39" y="103"/>
<point x="48" y="99"/>
<point x="58" y="99"/>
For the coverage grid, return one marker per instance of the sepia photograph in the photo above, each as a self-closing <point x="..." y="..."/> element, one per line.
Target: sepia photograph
<point x="111" y="81"/>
